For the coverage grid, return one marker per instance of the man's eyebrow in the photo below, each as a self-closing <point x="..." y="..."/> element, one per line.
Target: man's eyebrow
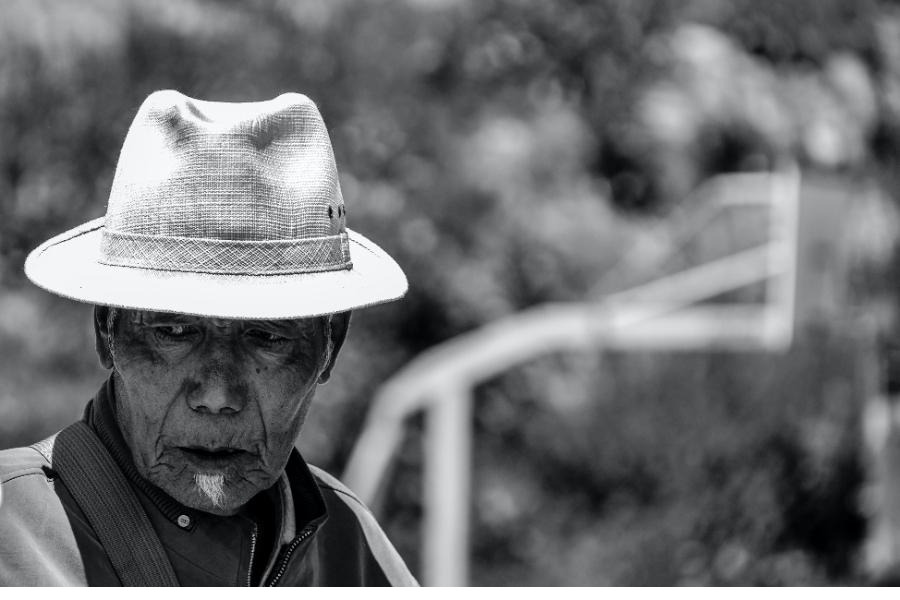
<point x="149" y="316"/>
<point x="298" y="325"/>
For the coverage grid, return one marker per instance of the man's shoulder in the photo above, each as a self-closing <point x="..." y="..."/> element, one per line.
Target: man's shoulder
<point x="329" y="482"/>
<point x="384" y="552"/>
<point x="336" y="493"/>
<point x="342" y="503"/>
<point x="25" y="477"/>
<point x="21" y="462"/>
<point x="38" y="545"/>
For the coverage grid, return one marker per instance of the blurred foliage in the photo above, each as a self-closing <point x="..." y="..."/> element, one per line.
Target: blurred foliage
<point x="697" y="469"/>
<point x="509" y="153"/>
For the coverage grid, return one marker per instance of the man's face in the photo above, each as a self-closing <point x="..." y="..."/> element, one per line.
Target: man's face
<point x="210" y="408"/>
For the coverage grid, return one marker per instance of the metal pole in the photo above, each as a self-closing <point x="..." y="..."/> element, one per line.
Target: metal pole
<point x="447" y="479"/>
<point x="781" y="290"/>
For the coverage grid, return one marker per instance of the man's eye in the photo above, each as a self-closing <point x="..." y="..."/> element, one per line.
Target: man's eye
<point x="266" y="337"/>
<point x="173" y="332"/>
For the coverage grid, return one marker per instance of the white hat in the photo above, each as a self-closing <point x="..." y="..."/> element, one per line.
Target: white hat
<point x="220" y="209"/>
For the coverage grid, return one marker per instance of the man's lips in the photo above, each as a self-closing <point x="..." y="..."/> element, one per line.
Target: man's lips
<point x="216" y="457"/>
<point x="214" y="451"/>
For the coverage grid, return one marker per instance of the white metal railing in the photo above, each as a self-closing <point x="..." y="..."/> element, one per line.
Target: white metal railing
<point x="657" y="315"/>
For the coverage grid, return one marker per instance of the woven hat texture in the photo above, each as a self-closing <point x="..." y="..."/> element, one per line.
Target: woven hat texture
<point x="225" y="194"/>
<point x="219" y="188"/>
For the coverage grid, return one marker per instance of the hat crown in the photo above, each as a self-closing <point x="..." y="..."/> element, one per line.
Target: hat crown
<point x="228" y="210"/>
<point x="232" y="188"/>
<point x="249" y="171"/>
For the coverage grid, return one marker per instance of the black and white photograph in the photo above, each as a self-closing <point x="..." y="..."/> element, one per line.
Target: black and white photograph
<point x="450" y="293"/>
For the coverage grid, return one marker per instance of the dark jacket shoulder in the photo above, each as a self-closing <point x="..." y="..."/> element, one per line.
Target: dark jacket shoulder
<point x="349" y="514"/>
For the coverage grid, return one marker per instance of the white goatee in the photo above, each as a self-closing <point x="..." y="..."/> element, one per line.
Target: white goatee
<point x="212" y="486"/>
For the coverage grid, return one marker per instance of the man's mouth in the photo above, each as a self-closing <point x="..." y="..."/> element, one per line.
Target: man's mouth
<point x="214" y="457"/>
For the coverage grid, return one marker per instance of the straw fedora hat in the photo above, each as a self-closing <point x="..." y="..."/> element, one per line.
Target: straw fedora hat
<point x="218" y="209"/>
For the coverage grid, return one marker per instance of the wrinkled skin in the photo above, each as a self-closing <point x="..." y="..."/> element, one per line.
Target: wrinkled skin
<point x="214" y="396"/>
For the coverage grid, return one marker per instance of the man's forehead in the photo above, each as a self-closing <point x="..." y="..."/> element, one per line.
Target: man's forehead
<point x="148" y="317"/>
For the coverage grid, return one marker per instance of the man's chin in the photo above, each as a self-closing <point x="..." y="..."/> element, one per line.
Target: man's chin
<point x="220" y="485"/>
<point x="206" y="506"/>
<point x="199" y="497"/>
<point x="207" y="492"/>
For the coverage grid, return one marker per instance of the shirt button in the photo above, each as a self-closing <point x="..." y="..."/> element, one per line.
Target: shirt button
<point x="184" y="521"/>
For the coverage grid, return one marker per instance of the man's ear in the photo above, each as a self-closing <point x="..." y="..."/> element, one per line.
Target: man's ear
<point x="102" y="333"/>
<point x="340" y="323"/>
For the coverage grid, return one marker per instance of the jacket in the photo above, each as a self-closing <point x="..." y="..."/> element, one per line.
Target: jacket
<point x="321" y="533"/>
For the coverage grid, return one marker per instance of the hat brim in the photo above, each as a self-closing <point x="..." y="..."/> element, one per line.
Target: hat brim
<point x="68" y="265"/>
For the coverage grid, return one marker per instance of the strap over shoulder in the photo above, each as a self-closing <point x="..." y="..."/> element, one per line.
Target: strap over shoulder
<point x="102" y="492"/>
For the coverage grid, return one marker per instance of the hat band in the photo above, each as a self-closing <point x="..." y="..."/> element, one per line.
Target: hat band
<point x="230" y="257"/>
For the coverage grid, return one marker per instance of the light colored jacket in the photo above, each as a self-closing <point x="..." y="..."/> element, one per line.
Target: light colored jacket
<point x="39" y="545"/>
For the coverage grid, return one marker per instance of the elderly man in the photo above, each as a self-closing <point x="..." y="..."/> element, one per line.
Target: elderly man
<point x="223" y="276"/>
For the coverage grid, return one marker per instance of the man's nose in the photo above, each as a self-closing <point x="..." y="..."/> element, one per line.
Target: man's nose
<point x="217" y="395"/>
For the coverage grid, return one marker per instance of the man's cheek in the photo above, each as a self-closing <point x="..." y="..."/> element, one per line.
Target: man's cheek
<point x="285" y="423"/>
<point x="278" y="449"/>
<point x="282" y="418"/>
<point x="148" y="395"/>
<point x="147" y="424"/>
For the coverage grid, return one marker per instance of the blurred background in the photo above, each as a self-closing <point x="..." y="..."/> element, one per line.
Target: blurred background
<point x="509" y="154"/>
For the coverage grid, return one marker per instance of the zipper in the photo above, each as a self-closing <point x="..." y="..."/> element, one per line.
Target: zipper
<point x="252" y="552"/>
<point x="287" y="555"/>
